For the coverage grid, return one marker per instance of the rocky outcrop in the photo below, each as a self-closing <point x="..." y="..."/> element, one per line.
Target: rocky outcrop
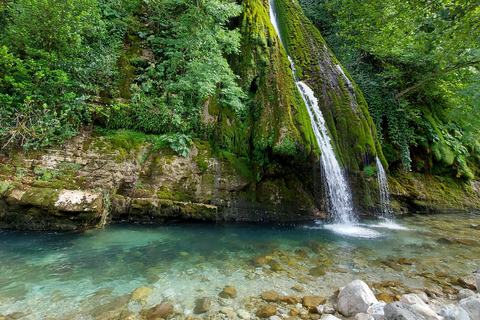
<point x="93" y="180"/>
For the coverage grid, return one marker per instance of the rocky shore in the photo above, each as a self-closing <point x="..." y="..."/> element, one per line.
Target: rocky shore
<point x="355" y="301"/>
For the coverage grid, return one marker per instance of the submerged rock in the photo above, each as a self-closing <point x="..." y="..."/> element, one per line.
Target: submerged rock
<point x="228" y="292"/>
<point x="270" y="295"/>
<point x="355" y="298"/>
<point x="202" y="305"/>
<point x="266" y="311"/>
<point x="162" y="310"/>
<point x="312" y="302"/>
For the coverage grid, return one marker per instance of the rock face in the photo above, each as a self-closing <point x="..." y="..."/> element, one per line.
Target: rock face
<point x="91" y="180"/>
<point x="355" y="298"/>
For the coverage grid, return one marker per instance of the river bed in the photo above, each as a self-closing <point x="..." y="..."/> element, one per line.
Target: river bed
<point x="93" y="273"/>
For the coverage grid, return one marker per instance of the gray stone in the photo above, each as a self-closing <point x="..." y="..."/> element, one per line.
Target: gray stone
<point x="452" y="312"/>
<point x="364" y="316"/>
<point x="330" y="317"/>
<point x="465" y="293"/>
<point x="472" y="306"/>
<point x="417" y="304"/>
<point x="376" y="310"/>
<point x="355" y="298"/>
<point x="400" y="311"/>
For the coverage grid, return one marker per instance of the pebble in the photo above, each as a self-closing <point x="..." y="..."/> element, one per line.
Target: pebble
<point x="243" y="314"/>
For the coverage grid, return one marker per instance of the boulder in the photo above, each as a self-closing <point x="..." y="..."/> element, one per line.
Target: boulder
<point x="472" y="306"/>
<point x="452" y="312"/>
<point x="355" y="298"/>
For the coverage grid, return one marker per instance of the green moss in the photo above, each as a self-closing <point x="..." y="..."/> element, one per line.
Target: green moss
<point x="241" y="165"/>
<point x="344" y="108"/>
<point x="164" y="193"/>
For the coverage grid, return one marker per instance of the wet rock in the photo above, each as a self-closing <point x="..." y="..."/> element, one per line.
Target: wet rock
<point x="465" y="293"/>
<point x="468" y="242"/>
<point x="384" y="297"/>
<point x="298" y="288"/>
<point x="291" y="299"/>
<point x="301" y="254"/>
<point x="312" y="302"/>
<point x="452" y="312"/>
<point x="117" y="304"/>
<point x="275" y="266"/>
<point x="202" y="305"/>
<point x="355" y="298"/>
<point x="405" y="261"/>
<point x="472" y="306"/>
<point x="421" y="294"/>
<point x="467" y="282"/>
<point x="390" y="283"/>
<point x="314" y="245"/>
<point x="434" y="292"/>
<point x="266" y="311"/>
<point x="228" y="292"/>
<point x="363" y="316"/>
<point x="317" y="271"/>
<point x="259" y="261"/>
<point x="141" y="293"/>
<point x="270" y="295"/>
<point x="162" y="310"/>
<point x="392" y="264"/>
<point x="128" y="315"/>
<point x="314" y="316"/>
<point x="110" y="315"/>
<point x="400" y="311"/>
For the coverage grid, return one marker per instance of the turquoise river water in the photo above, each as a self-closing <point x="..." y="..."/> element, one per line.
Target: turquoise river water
<point x="83" y="275"/>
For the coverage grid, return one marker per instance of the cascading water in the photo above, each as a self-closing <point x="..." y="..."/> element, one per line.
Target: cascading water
<point x="337" y="187"/>
<point x="386" y="213"/>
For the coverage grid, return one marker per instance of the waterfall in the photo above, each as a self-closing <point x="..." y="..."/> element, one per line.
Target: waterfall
<point x="387" y="212"/>
<point x="337" y="188"/>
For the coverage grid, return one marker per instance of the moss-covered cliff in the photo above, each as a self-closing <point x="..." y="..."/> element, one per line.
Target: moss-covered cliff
<point x="343" y="105"/>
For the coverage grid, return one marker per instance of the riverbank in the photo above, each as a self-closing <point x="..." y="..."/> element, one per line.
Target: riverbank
<point x="94" y="180"/>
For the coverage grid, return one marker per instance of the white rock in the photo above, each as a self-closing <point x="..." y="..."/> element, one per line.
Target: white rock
<point x="329" y="317"/>
<point x="355" y="298"/>
<point x="275" y="318"/>
<point x="425" y="311"/>
<point x="376" y="310"/>
<point x="452" y="312"/>
<point x="472" y="306"/>
<point x="411" y="299"/>
<point x="323" y="308"/>
<point x="465" y="293"/>
<point x="243" y="314"/>
<point x="364" y="316"/>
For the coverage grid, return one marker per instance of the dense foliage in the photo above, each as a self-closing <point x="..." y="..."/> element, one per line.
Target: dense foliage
<point x="417" y="65"/>
<point x="65" y="64"/>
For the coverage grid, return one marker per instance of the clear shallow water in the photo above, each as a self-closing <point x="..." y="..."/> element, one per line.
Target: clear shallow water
<point x="81" y="275"/>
